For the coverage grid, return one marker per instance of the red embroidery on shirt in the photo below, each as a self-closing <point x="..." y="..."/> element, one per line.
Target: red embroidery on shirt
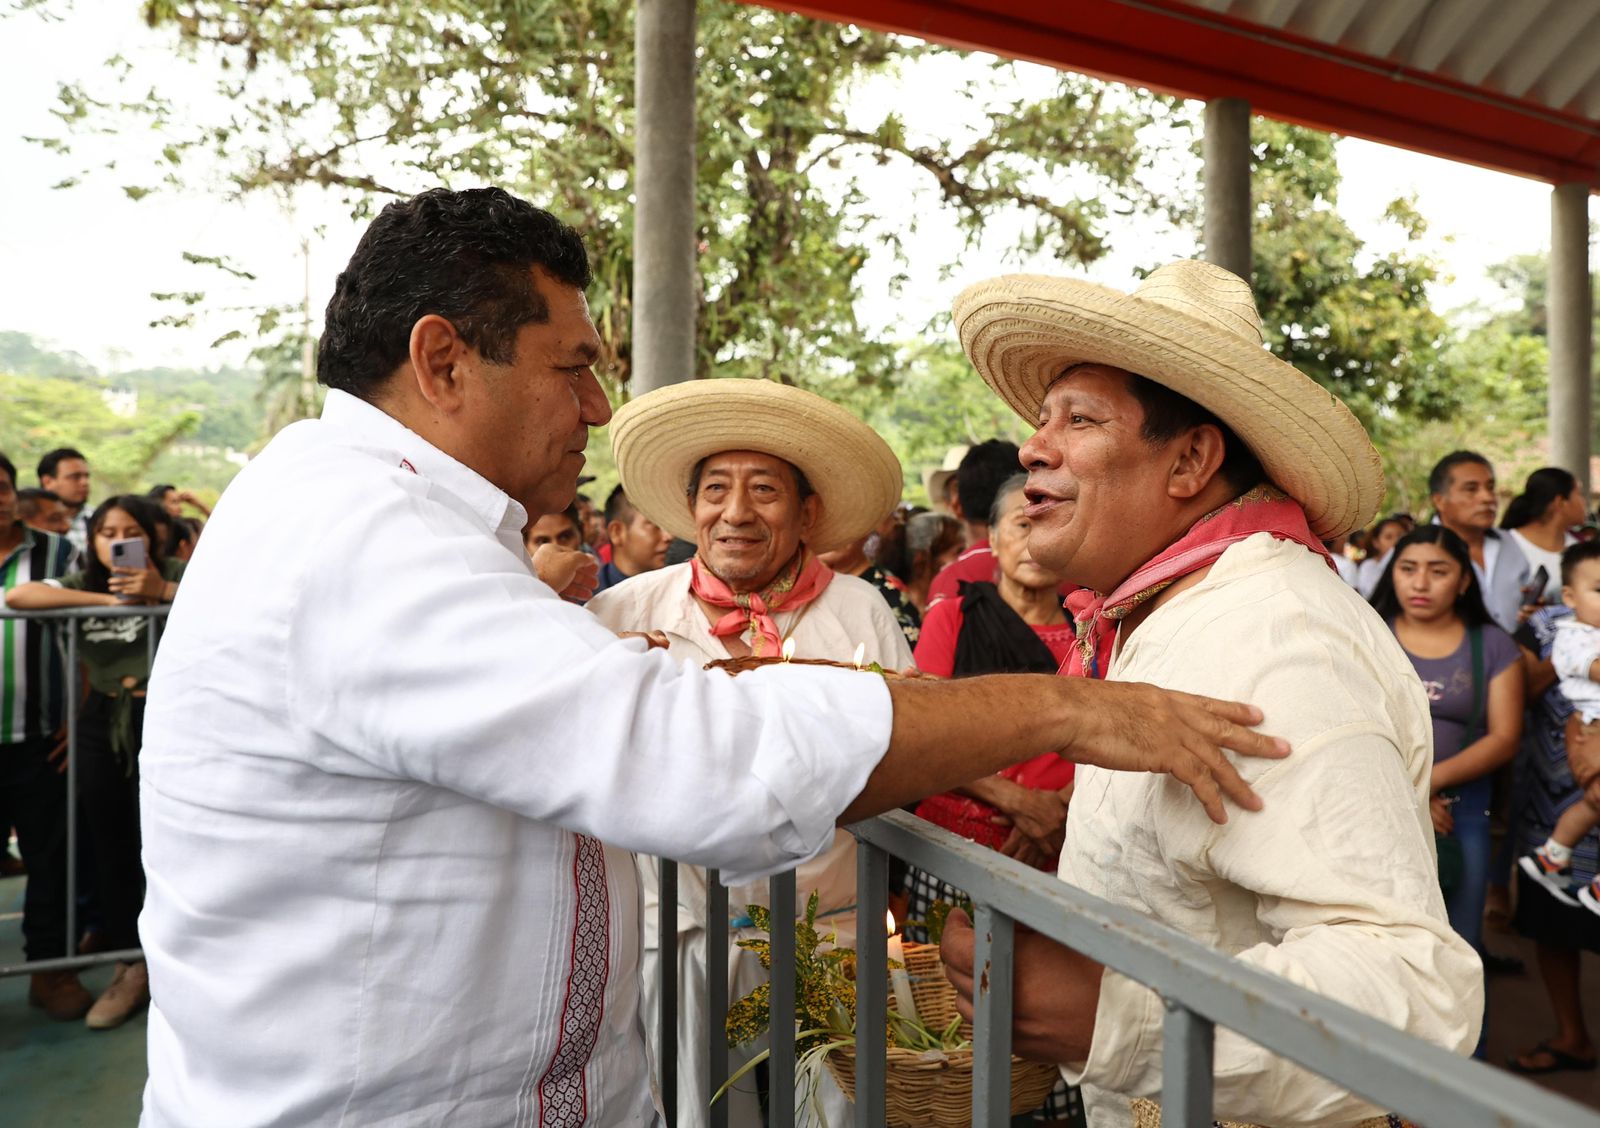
<point x="405" y="464"/>
<point x="563" y="1090"/>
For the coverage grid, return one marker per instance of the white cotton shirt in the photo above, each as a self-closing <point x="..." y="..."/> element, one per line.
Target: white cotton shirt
<point x="380" y="762"/>
<point x="1574" y="652"/>
<point x="1543" y="558"/>
<point x="1333" y="885"/>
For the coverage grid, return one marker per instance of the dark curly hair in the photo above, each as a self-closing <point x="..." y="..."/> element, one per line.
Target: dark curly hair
<point x="465" y="256"/>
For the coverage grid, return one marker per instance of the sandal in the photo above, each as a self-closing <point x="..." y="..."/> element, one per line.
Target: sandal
<point x="1559" y="1060"/>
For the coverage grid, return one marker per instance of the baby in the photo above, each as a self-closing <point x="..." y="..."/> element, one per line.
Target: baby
<point x="1576" y="658"/>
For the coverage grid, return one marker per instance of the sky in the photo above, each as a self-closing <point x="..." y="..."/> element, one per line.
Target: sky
<point x="78" y="265"/>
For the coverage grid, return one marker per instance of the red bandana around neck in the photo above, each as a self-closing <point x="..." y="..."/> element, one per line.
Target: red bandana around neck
<point x="797" y="585"/>
<point x="1261" y="510"/>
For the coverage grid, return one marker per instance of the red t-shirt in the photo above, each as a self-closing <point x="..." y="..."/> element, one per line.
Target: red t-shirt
<point x="977" y="563"/>
<point x="936" y="654"/>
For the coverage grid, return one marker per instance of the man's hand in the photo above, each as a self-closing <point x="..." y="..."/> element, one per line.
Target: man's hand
<point x="1443" y="820"/>
<point x="571" y="573"/>
<point x="1139" y="728"/>
<point x="58" y="751"/>
<point x="1054" y="991"/>
<point x="948" y="733"/>
<point x="1024" y="849"/>
<point x="1041" y="816"/>
<point x="653" y="640"/>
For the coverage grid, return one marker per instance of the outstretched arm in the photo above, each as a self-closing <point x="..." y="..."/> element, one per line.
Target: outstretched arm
<point x="946" y="733"/>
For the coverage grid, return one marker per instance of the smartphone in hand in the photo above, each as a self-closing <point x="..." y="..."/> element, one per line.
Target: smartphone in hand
<point x="129" y="553"/>
<point x="1533" y="593"/>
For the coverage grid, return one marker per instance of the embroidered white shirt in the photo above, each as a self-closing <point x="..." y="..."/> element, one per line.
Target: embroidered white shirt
<point x="380" y="760"/>
<point x="1333" y="885"/>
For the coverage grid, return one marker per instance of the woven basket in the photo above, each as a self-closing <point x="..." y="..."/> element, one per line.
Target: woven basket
<point x="1147" y="1114"/>
<point x="937" y="1093"/>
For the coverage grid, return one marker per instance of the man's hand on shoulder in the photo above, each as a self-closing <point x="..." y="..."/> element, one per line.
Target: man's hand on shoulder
<point x="1134" y="727"/>
<point x="572" y="573"/>
<point x="1054" y="991"/>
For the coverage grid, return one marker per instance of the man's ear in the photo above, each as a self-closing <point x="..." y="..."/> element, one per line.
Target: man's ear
<point x="437" y="354"/>
<point x="1197" y="459"/>
<point x="810" y="514"/>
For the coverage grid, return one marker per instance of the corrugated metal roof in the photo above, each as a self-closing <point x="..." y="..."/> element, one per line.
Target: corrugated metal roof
<point x="1509" y="84"/>
<point x="1542" y="51"/>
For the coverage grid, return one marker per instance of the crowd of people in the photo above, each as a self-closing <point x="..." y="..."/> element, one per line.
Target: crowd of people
<point x="56" y="551"/>
<point x="479" y="706"/>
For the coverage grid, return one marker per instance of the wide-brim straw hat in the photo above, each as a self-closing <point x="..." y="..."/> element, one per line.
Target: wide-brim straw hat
<point x="659" y="437"/>
<point x="1193" y="327"/>
<point x="936" y="480"/>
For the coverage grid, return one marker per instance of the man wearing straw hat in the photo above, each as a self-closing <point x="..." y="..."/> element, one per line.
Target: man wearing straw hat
<point x="1189" y="476"/>
<point x="762" y="477"/>
<point x="457" y="760"/>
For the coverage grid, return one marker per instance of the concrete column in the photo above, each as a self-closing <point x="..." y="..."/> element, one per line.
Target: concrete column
<point x="1227" y="181"/>
<point x="665" y="290"/>
<point x="1571" y="344"/>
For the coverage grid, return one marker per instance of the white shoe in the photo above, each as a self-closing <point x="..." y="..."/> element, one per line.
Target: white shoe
<point x="129" y="990"/>
<point x="1587" y="898"/>
<point x="1558" y="881"/>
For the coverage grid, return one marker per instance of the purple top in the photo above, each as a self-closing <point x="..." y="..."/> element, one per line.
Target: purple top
<point x="1448" y="682"/>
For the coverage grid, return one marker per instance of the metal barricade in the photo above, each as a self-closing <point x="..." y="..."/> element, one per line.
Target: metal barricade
<point x="1202" y="989"/>
<point x="66" y="643"/>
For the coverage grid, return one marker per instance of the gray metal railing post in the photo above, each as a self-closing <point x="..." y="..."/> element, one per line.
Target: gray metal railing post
<point x="872" y="982"/>
<point x="717" y="939"/>
<point x="73" y="691"/>
<point x="667" y="929"/>
<point x="781" y="898"/>
<point x="991" y="1062"/>
<point x="1188" y="1043"/>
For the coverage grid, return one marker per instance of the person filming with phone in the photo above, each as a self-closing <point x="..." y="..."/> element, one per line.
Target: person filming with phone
<point x="124" y="566"/>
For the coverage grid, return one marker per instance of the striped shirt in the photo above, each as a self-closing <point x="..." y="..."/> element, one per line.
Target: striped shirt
<point x="31" y="698"/>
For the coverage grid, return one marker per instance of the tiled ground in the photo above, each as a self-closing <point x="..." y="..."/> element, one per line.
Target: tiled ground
<point x="61" y="1074"/>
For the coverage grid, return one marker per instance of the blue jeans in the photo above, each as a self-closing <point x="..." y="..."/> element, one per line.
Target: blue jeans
<point x="1464" y="904"/>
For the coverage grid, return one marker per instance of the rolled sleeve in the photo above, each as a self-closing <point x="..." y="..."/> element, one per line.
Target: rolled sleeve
<point x="828" y="731"/>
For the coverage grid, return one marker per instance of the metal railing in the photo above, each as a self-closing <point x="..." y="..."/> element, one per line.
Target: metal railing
<point x="1202" y="988"/>
<point x="68" y="648"/>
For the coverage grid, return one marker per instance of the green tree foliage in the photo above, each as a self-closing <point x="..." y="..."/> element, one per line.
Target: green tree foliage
<point x="1361" y="325"/>
<point x="372" y="100"/>
<point x="1501" y="365"/>
<point x="41" y="413"/>
<point x="183" y="429"/>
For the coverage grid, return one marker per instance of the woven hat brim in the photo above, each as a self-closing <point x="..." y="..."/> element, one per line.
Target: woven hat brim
<point x="1022" y="331"/>
<point x="659" y="437"/>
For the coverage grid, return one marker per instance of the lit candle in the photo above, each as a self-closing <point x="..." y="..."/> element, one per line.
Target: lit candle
<point x="788" y="649"/>
<point x="861" y="652"/>
<point x="899" y="979"/>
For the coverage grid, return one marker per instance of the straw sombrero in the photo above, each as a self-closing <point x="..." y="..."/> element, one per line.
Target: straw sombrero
<point x="659" y="437"/>
<point x="1193" y="327"/>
